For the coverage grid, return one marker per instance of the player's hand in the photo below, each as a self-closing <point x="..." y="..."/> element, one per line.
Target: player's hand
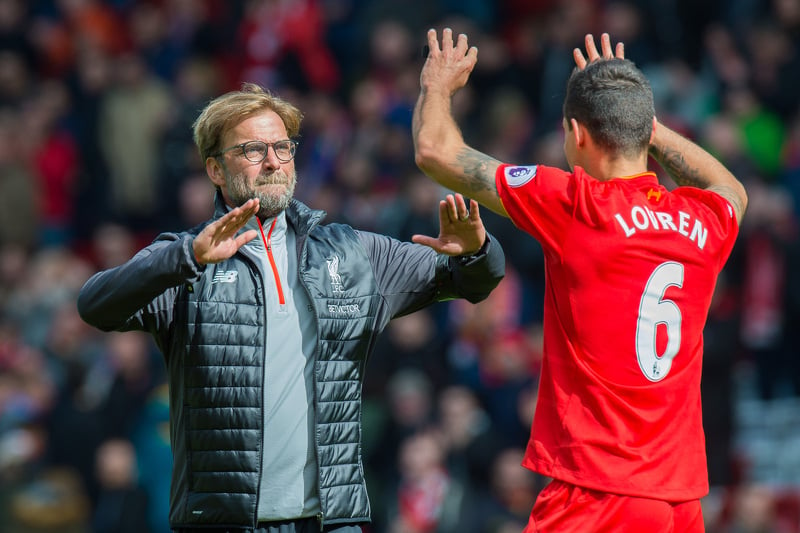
<point x="461" y="230"/>
<point x="592" y="53"/>
<point x="218" y="241"/>
<point x="447" y="68"/>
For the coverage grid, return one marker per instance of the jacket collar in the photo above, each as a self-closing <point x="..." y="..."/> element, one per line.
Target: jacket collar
<point x="299" y="215"/>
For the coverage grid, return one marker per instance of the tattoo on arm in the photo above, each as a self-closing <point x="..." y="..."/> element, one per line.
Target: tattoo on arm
<point x="416" y="124"/>
<point x="683" y="174"/>
<point x="479" y="170"/>
<point x="730" y="195"/>
<point x="674" y="163"/>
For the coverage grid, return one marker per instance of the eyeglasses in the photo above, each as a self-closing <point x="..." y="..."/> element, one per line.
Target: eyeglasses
<point x="256" y="151"/>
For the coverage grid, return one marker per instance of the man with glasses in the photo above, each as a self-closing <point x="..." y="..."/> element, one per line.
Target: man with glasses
<point x="266" y="318"/>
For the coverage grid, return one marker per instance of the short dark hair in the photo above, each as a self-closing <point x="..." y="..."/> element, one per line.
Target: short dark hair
<point x="614" y="101"/>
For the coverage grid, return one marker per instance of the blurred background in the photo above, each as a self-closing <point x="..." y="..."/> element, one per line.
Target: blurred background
<point x="97" y="99"/>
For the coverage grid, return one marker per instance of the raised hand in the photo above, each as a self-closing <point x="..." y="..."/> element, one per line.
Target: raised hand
<point x="592" y="53"/>
<point x="218" y="241"/>
<point x="448" y="68"/>
<point x="461" y="230"/>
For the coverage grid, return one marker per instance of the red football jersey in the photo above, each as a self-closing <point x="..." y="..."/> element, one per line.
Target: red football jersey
<point x="630" y="269"/>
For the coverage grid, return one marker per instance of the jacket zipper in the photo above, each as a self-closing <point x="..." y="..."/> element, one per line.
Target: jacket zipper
<point x="301" y="249"/>
<point x="282" y="301"/>
<point x="268" y="245"/>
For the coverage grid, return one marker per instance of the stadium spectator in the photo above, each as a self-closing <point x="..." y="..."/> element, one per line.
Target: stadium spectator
<point x="426" y="497"/>
<point x="122" y="501"/>
<point x="471" y="440"/>
<point x="132" y="123"/>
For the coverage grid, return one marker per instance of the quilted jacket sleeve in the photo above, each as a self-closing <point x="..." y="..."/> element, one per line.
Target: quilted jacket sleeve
<point x="139" y="294"/>
<point x="411" y="276"/>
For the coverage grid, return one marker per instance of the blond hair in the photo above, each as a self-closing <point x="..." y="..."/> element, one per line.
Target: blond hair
<point x="226" y="111"/>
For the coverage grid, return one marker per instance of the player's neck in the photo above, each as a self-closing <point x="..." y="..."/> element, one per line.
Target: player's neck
<point x="605" y="168"/>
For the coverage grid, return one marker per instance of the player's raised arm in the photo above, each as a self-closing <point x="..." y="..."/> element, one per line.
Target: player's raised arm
<point x="691" y="165"/>
<point x="439" y="147"/>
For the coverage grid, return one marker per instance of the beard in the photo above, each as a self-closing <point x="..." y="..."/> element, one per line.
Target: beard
<point x="270" y="204"/>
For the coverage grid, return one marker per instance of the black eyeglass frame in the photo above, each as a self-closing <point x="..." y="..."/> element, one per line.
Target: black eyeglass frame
<point x="243" y="147"/>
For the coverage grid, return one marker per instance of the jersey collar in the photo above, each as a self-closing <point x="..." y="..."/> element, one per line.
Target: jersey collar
<point x="647" y="174"/>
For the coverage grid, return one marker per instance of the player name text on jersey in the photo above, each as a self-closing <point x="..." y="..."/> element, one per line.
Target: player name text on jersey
<point x="642" y="218"/>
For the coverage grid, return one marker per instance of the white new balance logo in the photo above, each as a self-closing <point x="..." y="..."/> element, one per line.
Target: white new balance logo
<point x="225" y="276"/>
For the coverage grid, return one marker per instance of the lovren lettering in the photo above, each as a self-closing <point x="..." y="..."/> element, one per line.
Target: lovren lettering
<point x="642" y="218"/>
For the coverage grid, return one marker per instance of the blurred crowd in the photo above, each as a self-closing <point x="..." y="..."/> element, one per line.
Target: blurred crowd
<point x="97" y="98"/>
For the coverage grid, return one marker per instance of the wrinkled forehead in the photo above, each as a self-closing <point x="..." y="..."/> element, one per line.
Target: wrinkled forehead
<point x="264" y="125"/>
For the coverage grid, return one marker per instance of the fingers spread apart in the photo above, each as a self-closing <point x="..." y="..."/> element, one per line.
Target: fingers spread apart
<point x="608" y="52"/>
<point x="460" y="45"/>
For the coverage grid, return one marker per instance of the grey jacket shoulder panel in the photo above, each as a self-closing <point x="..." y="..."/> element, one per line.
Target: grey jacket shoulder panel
<point x="411" y="275"/>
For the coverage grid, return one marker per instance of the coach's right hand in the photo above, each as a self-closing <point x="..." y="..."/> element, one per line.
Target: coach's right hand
<point x="218" y="241"/>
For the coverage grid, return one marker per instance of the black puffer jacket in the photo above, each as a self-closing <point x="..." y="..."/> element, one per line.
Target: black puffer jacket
<point x="212" y="336"/>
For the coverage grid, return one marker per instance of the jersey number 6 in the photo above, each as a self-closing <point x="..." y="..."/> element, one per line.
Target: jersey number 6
<point x="654" y="309"/>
